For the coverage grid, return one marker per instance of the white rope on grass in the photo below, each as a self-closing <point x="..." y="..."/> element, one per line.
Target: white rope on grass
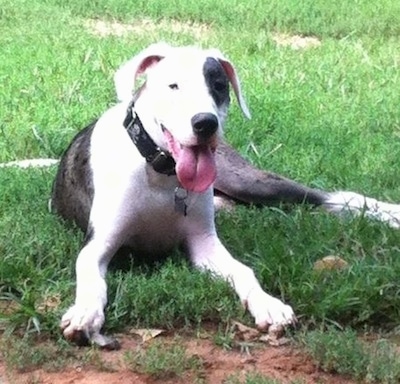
<point x="30" y="163"/>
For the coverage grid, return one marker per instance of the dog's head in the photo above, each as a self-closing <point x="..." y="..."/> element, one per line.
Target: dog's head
<point x="183" y="104"/>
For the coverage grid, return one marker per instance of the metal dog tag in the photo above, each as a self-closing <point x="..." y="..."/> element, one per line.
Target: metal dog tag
<point x="180" y="197"/>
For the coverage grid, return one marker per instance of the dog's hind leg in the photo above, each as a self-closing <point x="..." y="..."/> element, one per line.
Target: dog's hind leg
<point x="241" y="182"/>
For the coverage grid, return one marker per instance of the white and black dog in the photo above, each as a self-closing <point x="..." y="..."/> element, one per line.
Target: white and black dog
<point x="143" y="176"/>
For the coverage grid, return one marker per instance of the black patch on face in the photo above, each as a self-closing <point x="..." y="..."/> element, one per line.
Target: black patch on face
<point x="216" y="80"/>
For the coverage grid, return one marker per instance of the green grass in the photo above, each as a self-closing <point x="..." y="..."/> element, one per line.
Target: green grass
<point x="256" y="378"/>
<point x="29" y="353"/>
<point x="163" y="360"/>
<point x="345" y="353"/>
<point x="325" y="116"/>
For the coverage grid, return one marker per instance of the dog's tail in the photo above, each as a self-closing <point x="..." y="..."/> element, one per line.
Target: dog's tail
<point x="240" y="181"/>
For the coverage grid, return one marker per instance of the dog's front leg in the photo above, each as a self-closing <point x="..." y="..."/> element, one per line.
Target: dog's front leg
<point x="208" y="253"/>
<point x="82" y="322"/>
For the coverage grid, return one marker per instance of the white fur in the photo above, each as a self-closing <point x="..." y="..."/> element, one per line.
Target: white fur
<point x="126" y="75"/>
<point x="134" y="205"/>
<point x="342" y="202"/>
<point x="174" y="108"/>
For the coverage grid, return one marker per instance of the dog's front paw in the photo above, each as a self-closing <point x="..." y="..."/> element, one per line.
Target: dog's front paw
<point x="269" y="311"/>
<point x="80" y="323"/>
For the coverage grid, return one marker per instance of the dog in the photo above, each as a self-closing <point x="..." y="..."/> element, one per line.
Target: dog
<point x="145" y="173"/>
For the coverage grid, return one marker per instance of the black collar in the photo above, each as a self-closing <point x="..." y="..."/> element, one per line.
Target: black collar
<point x="160" y="160"/>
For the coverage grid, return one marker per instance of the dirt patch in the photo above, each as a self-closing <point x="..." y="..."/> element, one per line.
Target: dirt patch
<point x="145" y="26"/>
<point x="283" y="363"/>
<point x="296" y="41"/>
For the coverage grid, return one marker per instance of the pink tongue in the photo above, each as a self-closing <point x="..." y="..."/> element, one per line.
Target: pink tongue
<point x="195" y="168"/>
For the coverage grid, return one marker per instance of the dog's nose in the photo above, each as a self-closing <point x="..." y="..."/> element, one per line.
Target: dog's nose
<point x="204" y="124"/>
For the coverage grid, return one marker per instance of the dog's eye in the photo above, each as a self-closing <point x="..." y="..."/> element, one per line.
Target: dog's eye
<point x="173" y="86"/>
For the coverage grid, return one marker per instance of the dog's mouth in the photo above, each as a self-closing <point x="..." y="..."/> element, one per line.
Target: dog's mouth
<point x="195" y="164"/>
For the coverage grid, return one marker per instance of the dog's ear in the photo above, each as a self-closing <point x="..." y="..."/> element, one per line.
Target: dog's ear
<point x="126" y="75"/>
<point x="233" y="79"/>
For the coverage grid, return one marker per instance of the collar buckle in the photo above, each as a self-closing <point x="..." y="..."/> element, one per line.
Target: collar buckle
<point x="162" y="162"/>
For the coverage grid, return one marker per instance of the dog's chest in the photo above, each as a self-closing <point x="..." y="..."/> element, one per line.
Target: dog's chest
<point x="136" y="204"/>
<point x="157" y="223"/>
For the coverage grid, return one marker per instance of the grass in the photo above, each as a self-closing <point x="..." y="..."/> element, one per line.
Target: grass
<point x="162" y="360"/>
<point x="345" y="353"/>
<point x="31" y="352"/>
<point x="326" y="116"/>
<point x="28" y="353"/>
<point x="256" y="378"/>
